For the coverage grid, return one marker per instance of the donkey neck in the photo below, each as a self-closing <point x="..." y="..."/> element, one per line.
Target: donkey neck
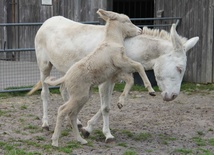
<point x="147" y="50"/>
<point x="113" y="32"/>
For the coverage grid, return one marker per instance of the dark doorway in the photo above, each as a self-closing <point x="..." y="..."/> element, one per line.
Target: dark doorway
<point x="137" y="9"/>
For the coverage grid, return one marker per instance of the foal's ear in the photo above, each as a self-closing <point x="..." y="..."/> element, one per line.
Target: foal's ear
<point x="106" y="14"/>
<point x="191" y="43"/>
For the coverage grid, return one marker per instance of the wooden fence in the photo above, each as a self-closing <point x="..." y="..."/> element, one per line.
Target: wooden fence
<point x="197" y="20"/>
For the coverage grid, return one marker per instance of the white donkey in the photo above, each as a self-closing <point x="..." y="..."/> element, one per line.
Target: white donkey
<point x="61" y="42"/>
<point x="107" y="60"/>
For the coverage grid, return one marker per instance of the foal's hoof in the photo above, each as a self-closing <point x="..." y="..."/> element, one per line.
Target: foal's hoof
<point x="85" y="133"/>
<point x="79" y="126"/>
<point x="55" y="143"/>
<point x="110" y="140"/>
<point x="119" y="105"/>
<point x="152" y="93"/>
<point x="46" y="128"/>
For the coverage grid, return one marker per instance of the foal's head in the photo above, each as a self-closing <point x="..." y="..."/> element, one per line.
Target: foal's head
<point x="123" y="22"/>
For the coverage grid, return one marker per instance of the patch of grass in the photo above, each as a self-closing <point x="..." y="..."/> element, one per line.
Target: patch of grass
<point x="65" y="132"/>
<point x="202" y="151"/>
<point x="23" y="107"/>
<point x="200" y="133"/>
<point x="142" y="136"/>
<point x="23" y="92"/>
<point x="130" y="152"/>
<point x="31" y="127"/>
<point x="120" y="86"/>
<point x="73" y="144"/>
<point x="193" y="87"/>
<point x="40" y="138"/>
<point x="127" y="133"/>
<point x="69" y="147"/>
<point x="21" y="120"/>
<point x="2" y="112"/>
<point x="164" y="139"/>
<point x="199" y="141"/>
<point x="183" y="151"/>
<point x="211" y="141"/>
<point x="97" y="135"/>
<point x="122" y="144"/>
<point x="11" y="149"/>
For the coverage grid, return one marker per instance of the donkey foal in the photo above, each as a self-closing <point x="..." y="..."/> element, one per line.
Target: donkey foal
<point x="102" y="64"/>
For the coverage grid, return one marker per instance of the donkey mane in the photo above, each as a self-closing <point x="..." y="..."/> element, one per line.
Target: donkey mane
<point x="162" y="34"/>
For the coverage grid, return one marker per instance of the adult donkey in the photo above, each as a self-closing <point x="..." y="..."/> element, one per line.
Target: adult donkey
<point x="61" y="42"/>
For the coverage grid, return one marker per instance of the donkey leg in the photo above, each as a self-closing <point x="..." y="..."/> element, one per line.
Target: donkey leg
<point x="45" y="72"/>
<point x="128" y="78"/>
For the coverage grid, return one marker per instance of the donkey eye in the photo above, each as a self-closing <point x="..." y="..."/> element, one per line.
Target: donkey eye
<point x="179" y="69"/>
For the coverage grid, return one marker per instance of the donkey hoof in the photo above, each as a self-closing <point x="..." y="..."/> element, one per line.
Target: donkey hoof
<point x="152" y="93"/>
<point x="110" y="140"/>
<point x="45" y="128"/>
<point x="85" y="133"/>
<point x="119" y="105"/>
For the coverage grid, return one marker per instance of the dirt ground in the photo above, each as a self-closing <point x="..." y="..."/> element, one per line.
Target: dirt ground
<point x="144" y="126"/>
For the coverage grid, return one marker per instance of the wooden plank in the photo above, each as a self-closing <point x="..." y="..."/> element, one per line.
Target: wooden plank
<point x="3" y="32"/>
<point x="185" y="14"/>
<point x="210" y="35"/>
<point x="192" y="6"/>
<point x="197" y="50"/>
<point x="204" y="40"/>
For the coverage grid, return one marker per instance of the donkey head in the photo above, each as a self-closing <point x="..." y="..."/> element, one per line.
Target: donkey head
<point x="169" y="69"/>
<point x="127" y="27"/>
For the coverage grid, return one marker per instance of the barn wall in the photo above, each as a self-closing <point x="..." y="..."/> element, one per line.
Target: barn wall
<point x="31" y="11"/>
<point x="197" y="20"/>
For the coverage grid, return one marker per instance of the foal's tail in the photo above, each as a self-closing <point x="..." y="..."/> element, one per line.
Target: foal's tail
<point x="49" y="80"/>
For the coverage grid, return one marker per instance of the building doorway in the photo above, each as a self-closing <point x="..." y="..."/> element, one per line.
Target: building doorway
<point x="137" y="9"/>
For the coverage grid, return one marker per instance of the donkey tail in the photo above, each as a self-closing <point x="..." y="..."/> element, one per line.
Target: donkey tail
<point x="35" y="88"/>
<point x="49" y="80"/>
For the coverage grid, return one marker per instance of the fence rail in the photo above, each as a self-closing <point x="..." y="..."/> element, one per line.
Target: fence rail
<point x="6" y="77"/>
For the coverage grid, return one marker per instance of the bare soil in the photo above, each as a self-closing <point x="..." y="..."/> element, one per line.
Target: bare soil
<point x="145" y="125"/>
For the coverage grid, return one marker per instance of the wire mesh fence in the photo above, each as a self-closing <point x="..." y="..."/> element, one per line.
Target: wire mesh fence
<point x="20" y="75"/>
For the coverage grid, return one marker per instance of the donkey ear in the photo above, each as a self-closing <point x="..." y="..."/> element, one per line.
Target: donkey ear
<point x="106" y="14"/>
<point x="190" y="43"/>
<point x="176" y="41"/>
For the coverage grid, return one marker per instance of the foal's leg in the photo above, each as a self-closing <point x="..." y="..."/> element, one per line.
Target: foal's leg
<point x="105" y="91"/>
<point x="65" y="97"/>
<point x="129" y="65"/>
<point x="129" y="80"/>
<point x="71" y="108"/>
